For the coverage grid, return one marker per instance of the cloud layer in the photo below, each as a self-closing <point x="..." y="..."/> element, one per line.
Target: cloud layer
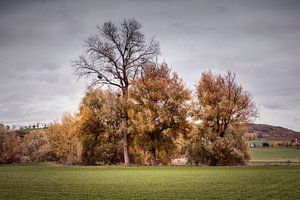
<point x="258" y="40"/>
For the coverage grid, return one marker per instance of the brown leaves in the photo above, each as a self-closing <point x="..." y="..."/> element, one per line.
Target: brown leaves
<point x="223" y="103"/>
<point x="158" y="108"/>
<point x="64" y="139"/>
<point x="99" y="127"/>
<point x="10" y="147"/>
<point x="223" y="110"/>
<point x="37" y="146"/>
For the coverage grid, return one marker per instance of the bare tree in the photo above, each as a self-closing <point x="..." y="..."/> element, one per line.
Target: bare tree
<point x="115" y="56"/>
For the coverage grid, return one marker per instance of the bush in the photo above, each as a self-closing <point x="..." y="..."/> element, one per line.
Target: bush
<point x="25" y="159"/>
<point x="209" y="148"/>
<point x="37" y="146"/>
<point x="64" y="140"/>
<point x="10" y="147"/>
<point x="98" y="127"/>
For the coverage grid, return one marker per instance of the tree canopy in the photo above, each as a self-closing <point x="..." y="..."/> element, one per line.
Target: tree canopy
<point x="158" y="110"/>
<point x="115" y="56"/>
<point x="224" y="110"/>
<point x="99" y="127"/>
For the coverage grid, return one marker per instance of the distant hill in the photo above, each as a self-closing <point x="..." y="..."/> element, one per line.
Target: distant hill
<point x="270" y="132"/>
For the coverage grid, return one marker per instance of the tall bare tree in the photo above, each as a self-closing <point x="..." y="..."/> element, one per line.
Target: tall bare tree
<point x="114" y="56"/>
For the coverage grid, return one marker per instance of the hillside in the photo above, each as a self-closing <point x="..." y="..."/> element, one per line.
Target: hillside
<point x="270" y="132"/>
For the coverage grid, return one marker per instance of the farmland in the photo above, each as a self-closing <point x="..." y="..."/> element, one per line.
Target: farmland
<point x="275" y="154"/>
<point x="91" y="182"/>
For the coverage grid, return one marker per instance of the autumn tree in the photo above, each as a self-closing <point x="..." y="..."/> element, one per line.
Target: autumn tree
<point x="224" y="110"/>
<point x="98" y="126"/>
<point x="36" y="146"/>
<point x="114" y="56"/>
<point x="64" y="139"/>
<point x="10" y="147"/>
<point x="158" y="110"/>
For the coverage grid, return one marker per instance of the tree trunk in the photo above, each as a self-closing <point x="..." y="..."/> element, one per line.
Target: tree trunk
<point x="125" y="149"/>
<point x="125" y="120"/>
<point x="153" y="157"/>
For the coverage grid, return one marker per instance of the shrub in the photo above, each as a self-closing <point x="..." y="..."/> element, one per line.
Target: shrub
<point x="64" y="140"/>
<point x="206" y="147"/>
<point x="37" y="146"/>
<point x="10" y="147"/>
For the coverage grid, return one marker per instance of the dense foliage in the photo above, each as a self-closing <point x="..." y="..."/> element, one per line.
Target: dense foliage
<point x="32" y="147"/>
<point x="147" y="116"/>
<point x="64" y="140"/>
<point x="163" y="122"/>
<point x="36" y="146"/>
<point x="208" y="148"/>
<point x="115" y="56"/>
<point x="224" y="110"/>
<point x="158" y="115"/>
<point x="10" y="147"/>
<point x="99" y="127"/>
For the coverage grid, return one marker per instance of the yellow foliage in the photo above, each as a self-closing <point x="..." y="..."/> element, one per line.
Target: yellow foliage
<point x="158" y="111"/>
<point x="64" y="139"/>
<point x="224" y="109"/>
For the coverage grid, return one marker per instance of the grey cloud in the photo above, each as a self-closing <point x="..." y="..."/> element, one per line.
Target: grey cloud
<point x="258" y="40"/>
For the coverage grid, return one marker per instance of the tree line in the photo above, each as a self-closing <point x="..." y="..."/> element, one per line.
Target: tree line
<point x="147" y="115"/>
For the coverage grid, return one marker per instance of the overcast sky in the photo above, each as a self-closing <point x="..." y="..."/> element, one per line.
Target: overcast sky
<point x="258" y="40"/>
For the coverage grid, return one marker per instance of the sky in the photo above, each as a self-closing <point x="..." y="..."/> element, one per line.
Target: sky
<point x="257" y="40"/>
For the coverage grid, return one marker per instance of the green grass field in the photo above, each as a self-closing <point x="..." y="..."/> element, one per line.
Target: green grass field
<point x="275" y="154"/>
<point x="74" y="182"/>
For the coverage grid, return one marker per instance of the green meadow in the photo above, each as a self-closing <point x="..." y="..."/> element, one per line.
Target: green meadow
<point x="91" y="182"/>
<point x="275" y="154"/>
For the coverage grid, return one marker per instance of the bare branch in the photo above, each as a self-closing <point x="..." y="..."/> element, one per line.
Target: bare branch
<point x="116" y="55"/>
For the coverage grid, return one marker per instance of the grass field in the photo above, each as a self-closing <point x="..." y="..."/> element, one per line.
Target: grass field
<point x="275" y="154"/>
<point x="65" y="182"/>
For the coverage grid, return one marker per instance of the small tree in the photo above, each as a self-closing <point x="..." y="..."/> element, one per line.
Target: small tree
<point x="10" y="147"/>
<point x="209" y="148"/>
<point x="64" y="140"/>
<point x="99" y="122"/>
<point x="158" y="111"/>
<point x="36" y="146"/>
<point x="115" y="56"/>
<point x="224" y="110"/>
